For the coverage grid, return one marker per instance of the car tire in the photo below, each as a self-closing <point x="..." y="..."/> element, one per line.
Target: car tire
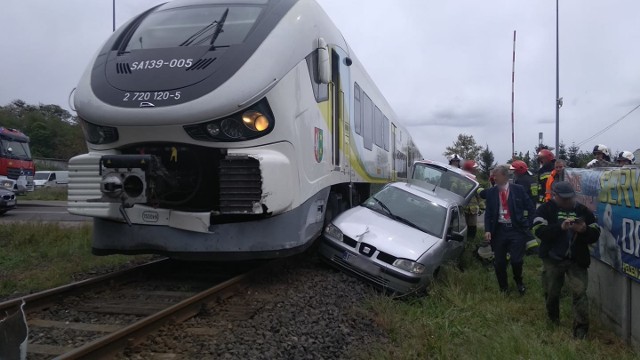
<point x="2" y="212"/>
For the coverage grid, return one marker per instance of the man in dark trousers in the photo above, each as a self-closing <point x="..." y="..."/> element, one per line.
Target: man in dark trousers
<point x="507" y="226"/>
<point x="566" y="229"/>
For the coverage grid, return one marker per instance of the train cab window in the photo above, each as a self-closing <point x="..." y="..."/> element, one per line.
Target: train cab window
<point x="378" y="127"/>
<point x="194" y="26"/>
<point x="320" y="91"/>
<point x="385" y="132"/>
<point x="357" y="110"/>
<point x="367" y="121"/>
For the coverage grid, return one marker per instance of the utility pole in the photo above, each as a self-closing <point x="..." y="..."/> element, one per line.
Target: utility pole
<point x="513" y="77"/>
<point x="114" y="15"/>
<point x="558" y="99"/>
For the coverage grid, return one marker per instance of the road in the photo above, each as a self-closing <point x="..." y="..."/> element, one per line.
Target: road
<point x="42" y="211"/>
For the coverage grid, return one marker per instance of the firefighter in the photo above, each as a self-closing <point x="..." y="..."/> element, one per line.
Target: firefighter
<point x="602" y="157"/>
<point x="556" y="175"/>
<point x="546" y="160"/>
<point x="523" y="177"/>
<point x="567" y="229"/>
<point x="455" y="160"/>
<point x="476" y="204"/>
<point x="625" y="158"/>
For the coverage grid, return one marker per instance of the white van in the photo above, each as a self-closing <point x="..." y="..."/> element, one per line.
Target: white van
<point x="51" y="178"/>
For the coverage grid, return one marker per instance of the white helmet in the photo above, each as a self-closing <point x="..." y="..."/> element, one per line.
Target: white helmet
<point x="626" y="156"/>
<point x="601" y="148"/>
<point x="454" y="157"/>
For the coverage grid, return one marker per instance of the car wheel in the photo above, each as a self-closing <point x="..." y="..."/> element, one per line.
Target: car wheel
<point x="2" y="212"/>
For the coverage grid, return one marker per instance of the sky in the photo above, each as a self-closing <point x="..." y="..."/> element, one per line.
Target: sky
<point x="444" y="66"/>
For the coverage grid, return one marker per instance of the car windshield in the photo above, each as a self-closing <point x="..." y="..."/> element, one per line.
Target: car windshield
<point x="410" y="209"/>
<point x="41" y="176"/>
<point x="195" y="26"/>
<point x="443" y="178"/>
<point x="15" y="149"/>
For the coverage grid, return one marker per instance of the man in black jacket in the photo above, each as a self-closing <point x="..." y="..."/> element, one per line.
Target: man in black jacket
<point x="507" y="226"/>
<point x="566" y="229"/>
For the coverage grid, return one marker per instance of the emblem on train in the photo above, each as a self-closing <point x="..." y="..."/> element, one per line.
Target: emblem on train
<point x="319" y="144"/>
<point x="150" y="216"/>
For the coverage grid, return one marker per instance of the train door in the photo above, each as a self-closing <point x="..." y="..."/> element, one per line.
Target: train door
<point x="341" y="92"/>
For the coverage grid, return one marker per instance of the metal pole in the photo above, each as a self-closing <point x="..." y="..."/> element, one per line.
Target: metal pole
<point x="114" y="15"/>
<point x="513" y="77"/>
<point x="557" y="81"/>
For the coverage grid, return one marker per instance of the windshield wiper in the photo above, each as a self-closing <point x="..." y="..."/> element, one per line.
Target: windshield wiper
<point x="384" y="207"/>
<point x="407" y="222"/>
<point x="218" y="30"/>
<point x="191" y="38"/>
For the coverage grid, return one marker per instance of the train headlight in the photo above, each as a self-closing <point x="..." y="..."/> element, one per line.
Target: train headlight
<point x="247" y="124"/>
<point x="213" y="129"/>
<point x="98" y="135"/>
<point x="255" y="120"/>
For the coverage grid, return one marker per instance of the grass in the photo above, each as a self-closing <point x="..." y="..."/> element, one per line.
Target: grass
<point x="39" y="256"/>
<point x="465" y="317"/>
<point x="46" y="194"/>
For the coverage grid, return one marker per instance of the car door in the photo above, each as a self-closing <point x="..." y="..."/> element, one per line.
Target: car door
<point x="456" y="226"/>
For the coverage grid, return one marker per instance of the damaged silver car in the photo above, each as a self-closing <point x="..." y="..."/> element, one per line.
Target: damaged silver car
<point x="401" y="236"/>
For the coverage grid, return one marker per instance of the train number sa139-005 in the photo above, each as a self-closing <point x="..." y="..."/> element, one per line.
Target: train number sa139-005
<point x="152" y="95"/>
<point x="159" y="64"/>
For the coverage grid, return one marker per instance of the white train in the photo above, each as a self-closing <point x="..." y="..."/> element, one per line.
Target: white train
<point x="228" y="130"/>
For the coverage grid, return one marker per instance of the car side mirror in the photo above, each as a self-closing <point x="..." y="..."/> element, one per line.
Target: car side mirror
<point x="455" y="237"/>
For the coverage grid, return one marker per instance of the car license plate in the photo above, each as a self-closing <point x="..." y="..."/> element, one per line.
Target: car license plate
<point x="361" y="263"/>
<point x="11" y="203"/>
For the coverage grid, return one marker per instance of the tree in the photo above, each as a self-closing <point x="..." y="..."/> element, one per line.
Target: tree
<point x="562" y="151"/>
<point x="466" y="147"/>
<point x="53" y="131"/>
<point x="572" y="155"/>
<point x="486" y="162"/>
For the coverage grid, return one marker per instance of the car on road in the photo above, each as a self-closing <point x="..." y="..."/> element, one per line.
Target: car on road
<point x="8" y="200"/>
<point x="400" y="237"/>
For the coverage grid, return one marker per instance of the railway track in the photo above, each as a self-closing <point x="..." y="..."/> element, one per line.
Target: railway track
<point x="99" y="317"/>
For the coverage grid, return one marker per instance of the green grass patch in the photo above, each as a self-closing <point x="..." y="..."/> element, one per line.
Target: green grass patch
<point x="39" y="256"/>
<point x="465" y="317"/>
<point x="46" y="194"/>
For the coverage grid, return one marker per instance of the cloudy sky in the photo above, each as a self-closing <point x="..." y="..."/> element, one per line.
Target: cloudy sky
<point x="445" y="66"/>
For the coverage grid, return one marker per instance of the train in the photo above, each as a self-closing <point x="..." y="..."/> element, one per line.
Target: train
<point x="228" y="130"/>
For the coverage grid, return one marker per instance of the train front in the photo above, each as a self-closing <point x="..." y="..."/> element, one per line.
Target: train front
<point x="186" y="157"/>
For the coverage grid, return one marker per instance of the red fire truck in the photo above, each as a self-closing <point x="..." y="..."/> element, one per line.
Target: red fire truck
<point x="16" y="166"/>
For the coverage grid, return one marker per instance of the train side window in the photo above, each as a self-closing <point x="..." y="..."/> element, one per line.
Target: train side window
<point x="320" y="91"/>
<point x="385" y="132"/>
<point x="367" y="123"/>
<point x="357" y="110"/>
<point x="378" y="127"/>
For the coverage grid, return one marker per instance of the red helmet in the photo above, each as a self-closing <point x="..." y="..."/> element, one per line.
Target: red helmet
<point x="469" y="165"/>
<point x="519" y="167"/>
<point x="546" y="154"/>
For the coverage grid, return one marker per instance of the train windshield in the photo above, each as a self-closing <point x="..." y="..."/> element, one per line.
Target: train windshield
<point x="195" y="26"/>
<point x="15" y="149"/>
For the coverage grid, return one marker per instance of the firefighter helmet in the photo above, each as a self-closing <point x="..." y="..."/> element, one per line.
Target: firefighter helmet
<point x="519" y="167"/>
<point x="601" y="149"/>
<point x="627" y="157"/>
<point x="469" y="165"/>
<point x="546" y="154"/>
<point x="454" y="157"/>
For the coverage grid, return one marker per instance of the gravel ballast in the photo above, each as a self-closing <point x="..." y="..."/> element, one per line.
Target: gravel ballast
<point x="303" y="310"/>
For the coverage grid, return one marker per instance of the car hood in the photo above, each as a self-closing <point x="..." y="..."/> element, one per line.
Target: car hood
<point x="386" y="234"/>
